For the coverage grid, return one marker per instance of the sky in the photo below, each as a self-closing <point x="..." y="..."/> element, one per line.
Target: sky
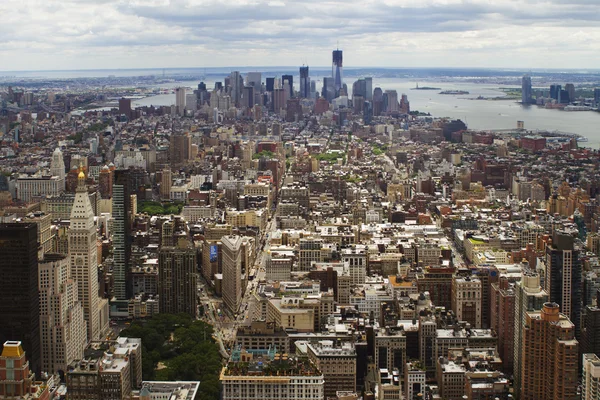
<point x="115" y="34"/>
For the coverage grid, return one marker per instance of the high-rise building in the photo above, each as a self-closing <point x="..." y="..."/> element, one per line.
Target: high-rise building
<point x="17" y="381"/>
<point x="597" y="96"/>
<point x="105" y="182"/>
<point x="392" y="101"/>
<point x="290" y="84"/>
<point x="120" y="233"/>
<point x="337" y="364"/>
<point x="590" y="328"/>
<point x="466" y="300"/>
<point x="83" y="248"/>
<point x="304" y="83"/>
<point x="232" y="271"/>
<point x="526" y="90"/>
<point x="555" y="92"/>
<point x="57" y="165"/>
<point x="278" y="100"/>
<point x="590" y="381"/>
<point x="180" y="147"/>
<point x="336" y="71"/>
<point x="570" y="88"/>
<point x="529" y="296"/>
<point x="369" y="88"/>
<point x="550" y="356"/>
<point x="254" y="79"/>
<point x="180" y="100"/>
<point x="270" y="84"/>
<point x="19" y="296"/>
<point x="328" y="91"/>
<point x="125" y="107"/>
<point x="236" y="82"/>
<point x="502" y="320"/>
<point x="563" y="275"/>
<point x="177" y="278"/>
<point x="63" y="329"/>
<point x="248" y="97"/>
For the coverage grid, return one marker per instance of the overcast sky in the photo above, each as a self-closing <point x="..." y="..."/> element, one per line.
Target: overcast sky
<point x="85" y="34"/>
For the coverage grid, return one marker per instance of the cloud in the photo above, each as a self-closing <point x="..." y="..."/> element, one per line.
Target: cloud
<point x="71" y="34"/>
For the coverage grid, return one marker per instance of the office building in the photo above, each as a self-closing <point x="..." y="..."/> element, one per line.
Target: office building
<point x="369" y="88"/>
<point x="19" y="296"/>
<point x="270" y="84"/>
<point x="125" y="107"/>
<point x="63" y="329"/>
<point x="590" y="381"/>
<point x="236" y="83"/>
<point x="289" y="86"/>
<point x="120" y="234"/>
<point x="304" y="83"/>
<point x="180" y="100"/>
<point x="177" y="278"/>
<point x="337" y="364"/>
<point x="526" y="97"/>
<point x="252" y="378"/>
<point x="563" y="275"/>
<point x="392" y="101"/>
<point x="39" y="185"/>
<point x="529" y="297"/>
<point x="337" y="71"/>
<point x="83" y="248"/>
<point x="590" y="328"/>
<point x="414" y="380"/>
<point x="570" y="88"/>
<point x="57" y="165"/>
<point x="597" y="97"/>
<point x="232" y="272"/>
<point x="180" y="148"/>
<point x="254" y="79"/>
<point x="555" y="92"/>
<point x="248" y="97"/>
<point x="105" y="182"/>
<point x="550" y="356"/>
<point x="466" y="300"/>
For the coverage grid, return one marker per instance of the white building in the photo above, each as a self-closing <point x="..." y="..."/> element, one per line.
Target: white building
<point x="39" y="185"/>
<point x="63" y="331"/>
<point x="590" y="384"/>
<point x="84" y="262"/>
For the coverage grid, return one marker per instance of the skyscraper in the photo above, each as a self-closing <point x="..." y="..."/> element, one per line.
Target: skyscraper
<point x="248" y="97"/>
<point x="290" y="85"/>
<point x="177" y="278"/>
<point x="555" y="92"/>
<point x="529" y="296"/>
<point x="304" y="83"/>
<point x="526" y="89"/>
<point x="236" y="83"/>
<point x="336" y="71"/>
<point x="232" y="272"/>
<point x="270" y="84"/>
<point x="392" y="101"/>
<point x="570" y="88"/>
<point x="563" y="280"/>
<point x="369" y="88"/>
<point x="121" y="237"/>
<point x="19" y="297"/>
<point x="550" y="356"/>
<point x="57" y="165"/>
<point x="84" y="261"/>
<point x="63" y="329"/>
<point x="254" y="79"/>
<point x="590" y="382"/>
<point x="125" y="107"/>
<point x="180" y="100"/>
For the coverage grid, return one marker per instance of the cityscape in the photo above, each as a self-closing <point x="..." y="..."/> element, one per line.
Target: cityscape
<point x="305" y="233"/>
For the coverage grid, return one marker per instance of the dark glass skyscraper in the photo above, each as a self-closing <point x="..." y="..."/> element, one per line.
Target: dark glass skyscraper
<point x="336" y="70"/>
<point x="19" y="296"/>
<point x="270" y="84"/>
<point x="526" y="90"/>
<point x="304" y="83"/>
